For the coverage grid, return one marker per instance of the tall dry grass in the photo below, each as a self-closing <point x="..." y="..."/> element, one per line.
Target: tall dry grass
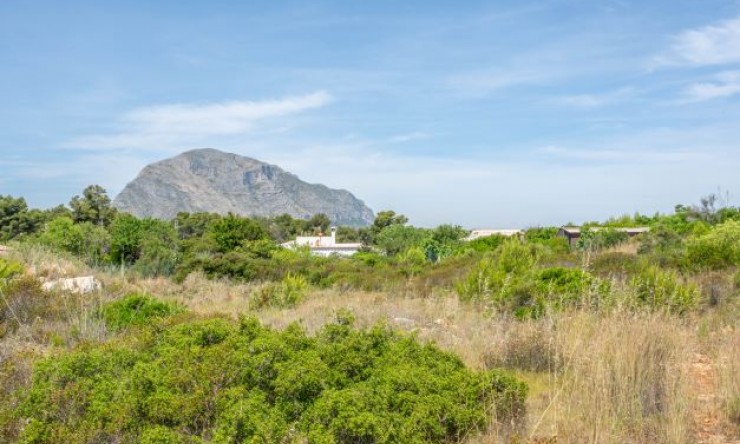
<point x="610" y="376"/>
<point x="595" y="378"/>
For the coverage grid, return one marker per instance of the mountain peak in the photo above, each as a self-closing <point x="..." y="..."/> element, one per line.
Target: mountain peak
<point x="210" y="180"/>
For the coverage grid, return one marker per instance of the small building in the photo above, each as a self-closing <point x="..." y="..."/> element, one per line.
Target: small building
<point x="478" y="233"/>
<point x="572" y="234"/>
<point x="323" y="245"/>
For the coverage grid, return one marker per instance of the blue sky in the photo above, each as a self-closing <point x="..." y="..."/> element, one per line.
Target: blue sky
<point x="485" y="114"/>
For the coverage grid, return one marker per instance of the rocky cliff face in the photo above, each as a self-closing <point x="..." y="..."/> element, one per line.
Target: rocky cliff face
<point x="214" y="181"/>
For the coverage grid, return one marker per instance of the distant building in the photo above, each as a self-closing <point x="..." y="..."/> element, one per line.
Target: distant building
<point x="476" y="234"/>
<point x="572" y="234"/>
<point x="323" y="245"/>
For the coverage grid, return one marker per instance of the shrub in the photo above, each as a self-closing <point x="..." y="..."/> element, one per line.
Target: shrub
<point x="287" y="293"/>
<point x="226" y="382"/>
<point x="136" y="310"/>
<point x="719" y="248"/>
<point x="22" y="301"/>
<point x="663" y="289"/>
<point x="614" y="263"/>
<point x="488" y="243"/>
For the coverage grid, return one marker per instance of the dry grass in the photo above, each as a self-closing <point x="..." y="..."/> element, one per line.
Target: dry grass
<point x="596" y="378"/>
<point x="617" y="377"/>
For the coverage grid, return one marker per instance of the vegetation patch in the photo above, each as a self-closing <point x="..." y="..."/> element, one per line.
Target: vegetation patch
<point x="136" y="310"/>
<point x="222" y="381"/>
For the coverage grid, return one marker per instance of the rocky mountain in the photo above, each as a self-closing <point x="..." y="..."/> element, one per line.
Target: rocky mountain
<point x="214" y="181"/>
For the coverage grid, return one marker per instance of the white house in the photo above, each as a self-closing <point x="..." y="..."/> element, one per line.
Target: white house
<point x="324" y="245"/>
<point x="476" y="234"/>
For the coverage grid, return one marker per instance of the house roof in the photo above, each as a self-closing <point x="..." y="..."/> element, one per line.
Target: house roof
<point x="478" y="233"/>
<point x="629" y="230"/>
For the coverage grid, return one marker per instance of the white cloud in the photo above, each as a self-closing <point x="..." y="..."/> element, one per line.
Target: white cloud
<point x="715" y="44"/>
<point x="409" y="137"/>
<point x="485" y="82"/>
<point x="726" y="84"/>
<point x="158" y="127"/>
<point x="615" y="155"/>
<point x="597" y="100"/>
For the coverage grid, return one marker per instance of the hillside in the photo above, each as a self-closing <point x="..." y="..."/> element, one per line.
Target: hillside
<point x="213" y="181"/>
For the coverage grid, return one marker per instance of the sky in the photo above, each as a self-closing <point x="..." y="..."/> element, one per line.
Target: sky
<point x="484" y="114"/>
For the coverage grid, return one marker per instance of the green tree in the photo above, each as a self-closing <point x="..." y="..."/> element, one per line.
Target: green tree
<point x="383" y="219"/>
<point x="193" y="225"/>
<point x="397" y="238"/>
<point x="94" y="206"/>
<point x="318" y="223"/>
<point x="232" y="231"/>
<point x="387" y="218"/>
<point x="62" y="233"/>
<point x="444" y="240"/>
<point x="16" y="219"/>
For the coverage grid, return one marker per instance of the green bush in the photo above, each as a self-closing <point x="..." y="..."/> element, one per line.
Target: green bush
<point x="287" y="293"/>
<point x="719" y="248"/>
<point x="225" y="382"/>
<point x="502" y="279"/>
<point x="511" y="280"/>
<point x="23" y="301"/>
<point x="136" y="310"/>
<point x="664" y="289"/>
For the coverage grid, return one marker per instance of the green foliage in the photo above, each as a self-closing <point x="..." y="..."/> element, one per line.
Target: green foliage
<point x="87" y="241"/>
<point x="193" y="225"/>
<point x="397" y="238"/>
<point x="603" y="238"/>
<point x="443" y="241"/>
<point x="718" y="248"/>
<point x="62" y="234"/>
<point x="487" y="243"/>
<point x="9" y="270"/>
<point x="511" y="280"/>
<point x="136" y="310"/>
<point x="94" y="206"/>
<point x="16" y="219"/>
<point x="225" y="382"/>
<point x="540" y="234"/>
<point x="662" y="240"/>
<point x="348" y="235"/>
<point x="287" y="293"/>
<point x="318" y="223"/>
<point x="547" y="236"/>
<point x="413" y="260"/>
<point x="383" y="220"/>
<point x="232" y="231"/>
<point x="663" y="289"/>
<point x="150" y="243"/>
<point x="22" y="301"/>
<point x="502" y="277"/>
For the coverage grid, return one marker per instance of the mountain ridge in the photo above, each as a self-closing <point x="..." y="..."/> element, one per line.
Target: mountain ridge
<point x="210" y="180"/>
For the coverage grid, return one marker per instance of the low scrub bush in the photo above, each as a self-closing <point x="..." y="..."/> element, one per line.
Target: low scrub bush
<point x="221" y="381"/>
<point x="287" y="293"/>
<point x="664" y="289"/>
<point x="136" y="310"/>
<point x="719" y="248"/>
<point x="22" y="301"/>
<point x="510" y="280"/>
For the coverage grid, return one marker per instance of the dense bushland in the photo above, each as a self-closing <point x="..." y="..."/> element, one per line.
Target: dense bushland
<point x="223" y="381"/>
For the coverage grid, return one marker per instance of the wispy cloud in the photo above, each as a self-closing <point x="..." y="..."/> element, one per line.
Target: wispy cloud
<point x="726" y="84"/>
<point x="613" y="155"/>
<point x="163" y="125"/>
<point x="598" y="99"/>
<point x="486" y="82"/>
<point x="409" y="137"/>
<point x="715" y="44"/>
